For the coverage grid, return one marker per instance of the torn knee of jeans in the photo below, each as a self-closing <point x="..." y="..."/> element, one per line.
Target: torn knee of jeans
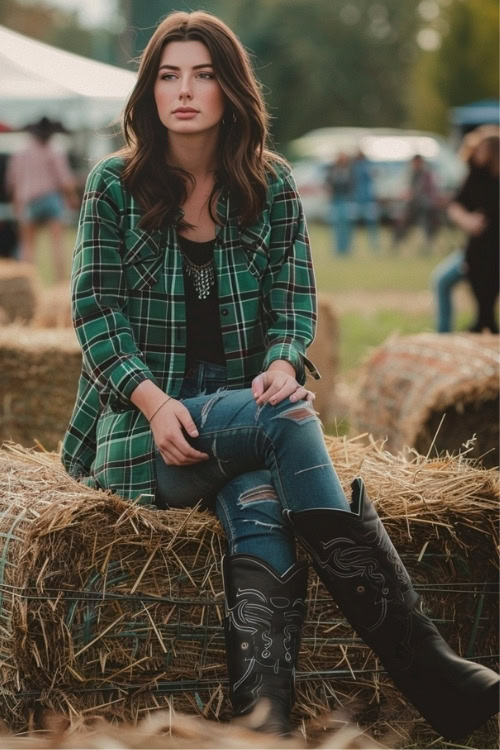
<point x="219" y="393"/>
<point x="300" y="413"/>
<point x="259" y="494"/>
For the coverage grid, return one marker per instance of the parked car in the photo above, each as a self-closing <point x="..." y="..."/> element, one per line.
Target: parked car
<point x="389" y="152"/>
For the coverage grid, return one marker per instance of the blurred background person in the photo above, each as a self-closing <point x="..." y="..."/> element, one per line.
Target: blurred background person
<point x="364" y="198"/>
<point x="421" y="204"/>
<point x="39" y="181"/>
<point x="340" y="184"/>
<point x="475" y="210"/>
<point x="452" y="269"/>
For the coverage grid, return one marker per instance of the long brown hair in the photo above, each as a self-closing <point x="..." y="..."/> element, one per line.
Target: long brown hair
<point x="243" y="160"/>
<point x="475" y="137"/>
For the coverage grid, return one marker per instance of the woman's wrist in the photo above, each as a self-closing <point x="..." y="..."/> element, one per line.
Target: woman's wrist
<point x="148" y="398"/>
<point x="283" y="366"/>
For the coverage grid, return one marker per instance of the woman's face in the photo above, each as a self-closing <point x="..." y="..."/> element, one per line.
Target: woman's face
<point x="188" y="96"/>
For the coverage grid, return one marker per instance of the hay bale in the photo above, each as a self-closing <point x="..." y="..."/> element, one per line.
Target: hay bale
<point x="117" y="607"/>
<point x="39" y="372"/>
<point x="18" y="291"/>
<point x="324" y="352"/>
<point x="410" y="383"/>
<point x="54" y="307"/>
<point x="167" y="730"/>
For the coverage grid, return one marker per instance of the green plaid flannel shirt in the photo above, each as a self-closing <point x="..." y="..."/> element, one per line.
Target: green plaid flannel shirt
<point x="129" y="316"/>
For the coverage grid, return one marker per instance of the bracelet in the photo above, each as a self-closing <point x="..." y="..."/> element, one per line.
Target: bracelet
<point x="158" y="409"/>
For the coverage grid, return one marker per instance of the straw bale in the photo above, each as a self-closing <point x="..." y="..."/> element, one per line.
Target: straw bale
<point x="324" y="352"/>
<point x="433" y="392"/>
<point x="113" y="608"/>
<point x="18" y="291"/>
<point x="39" y="372"/>
<point x="168" y="730"/>
<point x="54" y="307"/>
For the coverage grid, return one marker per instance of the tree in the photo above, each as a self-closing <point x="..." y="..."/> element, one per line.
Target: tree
<point x="464" y="69"/>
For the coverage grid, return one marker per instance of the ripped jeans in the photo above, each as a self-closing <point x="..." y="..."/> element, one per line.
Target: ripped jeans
<point x="262" y="459"/>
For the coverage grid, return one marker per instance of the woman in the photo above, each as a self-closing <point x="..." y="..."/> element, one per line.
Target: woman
<point x="475" y="210"/>
<point x="194" y="303"/>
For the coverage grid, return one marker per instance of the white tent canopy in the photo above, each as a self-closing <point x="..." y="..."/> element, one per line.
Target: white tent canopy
<point x="37" y="79"/>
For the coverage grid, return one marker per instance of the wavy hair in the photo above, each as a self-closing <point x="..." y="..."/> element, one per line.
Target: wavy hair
<point x="242" y="159"/>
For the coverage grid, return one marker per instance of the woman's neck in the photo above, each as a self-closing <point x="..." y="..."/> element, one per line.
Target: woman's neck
<point x="195" y="153"/>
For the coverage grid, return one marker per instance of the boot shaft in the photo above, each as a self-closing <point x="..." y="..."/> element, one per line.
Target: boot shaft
<point x="263" y="626"/>
<point x="356" y="560"/>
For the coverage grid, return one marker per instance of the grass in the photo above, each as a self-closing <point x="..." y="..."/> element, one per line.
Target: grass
<point x="366" y="269"/>
<point x="365" y="275"/>
<point x="361" y="332"/>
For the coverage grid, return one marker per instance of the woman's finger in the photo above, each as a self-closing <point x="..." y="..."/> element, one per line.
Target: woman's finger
<point x="187" y="451"/>
<point x="278" y="381"/>
<point x="286" y="390"/>
<point x="175" y="458"/>
<point x="273" y="388"/>
<point x="186" y="421"/>
<point x="258" y="385"/>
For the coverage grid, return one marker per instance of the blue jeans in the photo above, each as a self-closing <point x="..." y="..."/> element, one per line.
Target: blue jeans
<point x="262" y="460"/>
<point x="445" y="277"/>
<point x="367" y="212"/>
<point x="341" y="218"/>
<point x="49" y="206"/>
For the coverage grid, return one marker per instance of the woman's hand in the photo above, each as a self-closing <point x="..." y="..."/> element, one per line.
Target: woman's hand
<point x="275" y="385"/>
<point x="168" y="425"/>
<point x="475" y="223"/>
<point x="472" y="222"/>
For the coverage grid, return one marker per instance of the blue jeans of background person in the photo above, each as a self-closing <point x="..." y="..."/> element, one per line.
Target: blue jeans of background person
<point x="341" y="218"/>
<point x="262" y="459"/>
<point x="366" y="211"/>
<point x="45" y="207"/>
<point x="444" y="278"/>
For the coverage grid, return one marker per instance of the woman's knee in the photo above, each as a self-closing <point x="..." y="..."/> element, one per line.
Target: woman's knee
<point x="284" y="418"/>
<point x="250" y="498"/>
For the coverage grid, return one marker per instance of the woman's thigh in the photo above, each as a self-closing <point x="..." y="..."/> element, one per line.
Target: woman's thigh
<point x="233" y="431"/>
<point x="183" y="486"/>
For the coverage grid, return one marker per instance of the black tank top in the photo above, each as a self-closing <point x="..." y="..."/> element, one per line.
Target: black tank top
<point x="204" y="335"/>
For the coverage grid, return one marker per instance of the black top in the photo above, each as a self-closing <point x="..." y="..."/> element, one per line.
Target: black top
<point x="480" y="193"/>
<point x="204" y="335"/>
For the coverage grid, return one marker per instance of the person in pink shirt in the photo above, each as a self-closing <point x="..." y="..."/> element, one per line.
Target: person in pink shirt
<point x="39" y="181"/>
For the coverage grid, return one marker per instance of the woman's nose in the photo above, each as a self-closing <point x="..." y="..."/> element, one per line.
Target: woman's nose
<point x="185" y="89"/>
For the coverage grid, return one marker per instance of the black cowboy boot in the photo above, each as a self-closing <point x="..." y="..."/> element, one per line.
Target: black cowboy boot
<point x="263" y="624"/>
<point x="357" y="562"/>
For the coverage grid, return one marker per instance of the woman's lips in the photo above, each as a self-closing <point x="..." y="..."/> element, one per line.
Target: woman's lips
<point x="185" y="115"/>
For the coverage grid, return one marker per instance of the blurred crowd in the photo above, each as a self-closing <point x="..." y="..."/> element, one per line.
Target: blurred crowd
<point x="354" y="200"/>
<point x="474" y="209"/>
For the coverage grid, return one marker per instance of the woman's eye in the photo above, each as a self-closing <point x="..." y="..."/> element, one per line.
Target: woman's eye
<point x="173" y="77"/>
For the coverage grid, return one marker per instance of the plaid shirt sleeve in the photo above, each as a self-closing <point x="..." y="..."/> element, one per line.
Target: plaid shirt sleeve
<point x="292" y="297"/>
<point x="110" y="354"/>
